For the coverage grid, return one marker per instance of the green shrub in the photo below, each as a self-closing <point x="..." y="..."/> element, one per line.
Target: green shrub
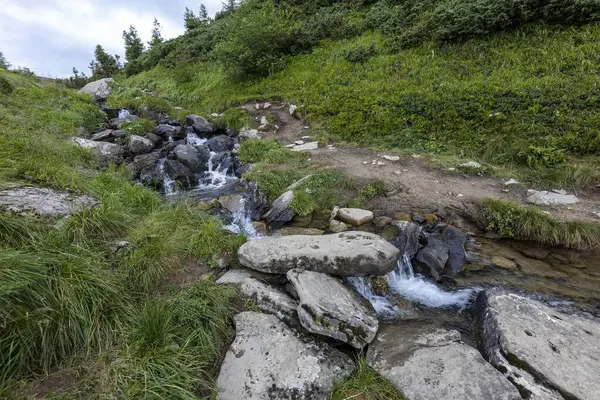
<point x="5" y="86"/>
<point x="303" y="204"/>
<point x="360" y="54"/>
<point x="139" y="126"/>
<point x="234" y="118"/>
<point x="267" y="151"/>
<point x="333" y="23"/>
<point x="540" y="157"/>
<point x="259" y="35"/>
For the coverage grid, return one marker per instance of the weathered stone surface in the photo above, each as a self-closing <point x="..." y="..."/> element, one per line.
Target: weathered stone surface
<point x="140" y="145"/>
<point x="220" y="143"/>
<point x="99" y="89"/>
<point x="142" y="161"/>
<point x="306" y="146"/>
<point x="329" y="308"/>
<point x="232" y="202"/>
<point x="338" y="226"/>
<point x="247" y="133"/>
<point x="200" y="125"/>
<point x="103" y="136"/>
<point x="268" y="360"/>
<point x="169" y="131"/>
<point x="106" y="151"/>
<point x="354" y="216"/>
<point x="297" y="230"/>
<point x="341" y="254"/>
<point x="534" y="343"/>
<point x="455" y="240"/>
<point x="239" y="275"/>
<point x="179" y="173"/>
<point x="431" y="259"/>
<point x="193" y="158"/>
<point x="270" y="300"/>
<point x="155" y="139"/>
<point x="382" y="222"/>
<point x="256" y="201"/>
<point x="427" y="363"/>
<point x="408" y="238"/>
<point x="43" y="202"/>
<point x="280" y="213"/>
<point x="545" y="198"/>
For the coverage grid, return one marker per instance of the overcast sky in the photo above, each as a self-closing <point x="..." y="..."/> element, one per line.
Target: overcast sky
<point x="53" y="36"/>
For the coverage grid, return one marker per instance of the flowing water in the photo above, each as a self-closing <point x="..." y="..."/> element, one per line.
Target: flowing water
<point x="169" y="185"/>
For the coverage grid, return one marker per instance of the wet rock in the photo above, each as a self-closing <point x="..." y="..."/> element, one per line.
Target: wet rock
<point x="169" y="131"/>
<point x="280" y="213"/>
<point x="382" y="222"/>
<point x="338" y="226"/>
<point x="538" y="253"/>
<point x="247" y="133"/>
<point x="431" y="259"/>
<point x="153" y="175"/>
<point x="455" y="240"/>
<point x="179" y="173"/>
<point x="270" y="300"/>
<point x="268" y="360"/>
<point x="104" y="136"/>
<point x="255" y="200"/>
<point x="222" y="161"/>
<point x="354" y="216"/>
<point x="504" y="262"/>
<point x="232" y="133"/>
<point x="44" y="202"/>
<point x="244" y="169"/>
<point x="99" y="89"/>
<point x="341" y="254"/>
<point x="194" y="158"/>
<point x="142" y="161"/>
<point x="108" y="152"/>
<point x="533" y="343"/>
<point x="329" y="308"/>
<point x="153" y="138"/>
<point x="220" y="143"/>
<point x="200" y="125"/>
<point x="139" y="145"/>
<point x="425" y="363"/>
<point x="408" y="238"/>
<point x="232" y="202"/>
<point x="545" y="198"/>
<point x="237" y="276"/>
<point x="306" y="146"/>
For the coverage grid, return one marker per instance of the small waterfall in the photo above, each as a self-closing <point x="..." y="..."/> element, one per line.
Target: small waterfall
<point x="216" y="176"/>
<point x="193" y="139"/>
<point x="242" y="223"/>
<point x="381" y="304"/>
<point x="169" y="184"/>
<point x="123" y="114"/>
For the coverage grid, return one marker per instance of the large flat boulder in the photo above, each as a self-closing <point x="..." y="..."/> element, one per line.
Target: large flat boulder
<point x="427" y="363"/>
<point x="534" y="343"/>
<point x="270" y="300"/>
<point x="99" y="89"/>
<point x="329" y="308"/>
<point x="545" y="198"/>
<point x="44" y="202"/>
<point x="108" y="152"/>
<point x="268" y="360"/>
<point x="355" y="216"/>
<point x="341" y="254"/>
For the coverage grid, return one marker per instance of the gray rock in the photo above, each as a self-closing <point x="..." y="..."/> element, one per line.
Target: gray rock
<point x="117" y="123"/>
<point x="152" y="174"/>
<point x="200" y="125"/>
<point x="238" y="275"/>
<point x="270" y="300"/>
<point x="545" y="198"/>
<point x="220" y="143"/>
<point x="280" y="213"/>
<point x="268" y="360"/>
<point x="328" y="308"/>
<point x="354" y="216"/>
<point x="306" y="146"/>
<point x="299" y="182"/>
<point x="153" y="138"/>
<point x="119" y="133"/>
<point x="427" y="363"/>
<point x="232" y="202"/>
<point x="534" y="343"/>
<point x="104" y="136"/>
<point x="140" y="145"/>
<point x="336" y="226"/>
<point x="432" y="258"/>
<point x="169" y="131"/>
<point x="44" y="202"/>
<point x="108" y="152"/>
<point x="194" y="158"/>
<point x="455" y="240"/>
<point x="341" y="254"/>
<point x="247" y="133"/>
<point x="99" y="89"/>
<point x="255" y="201"/>
<point x="408" y="238"/>
<point x="142" y="161"/>
<point x="179" y="173"/>
<point x="470" y="164"/>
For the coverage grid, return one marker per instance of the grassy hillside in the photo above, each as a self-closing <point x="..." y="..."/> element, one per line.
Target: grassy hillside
<point x="518" y="93"/>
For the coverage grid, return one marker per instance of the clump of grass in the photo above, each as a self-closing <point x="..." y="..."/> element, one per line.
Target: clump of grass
<point x="234" y="118"/>
<point x="369" y="191"/>
<point x="16" y="231"/>
<point x="138" y="100"/>
<point x="5" y="86"/>
<point x="174" y="347"/>
<point x="529" y="223"/>
<point x="139" y="127"/>
<point x="265" y="151"/>
<point x="365" y="384"/>
<point x="303" y="204"/>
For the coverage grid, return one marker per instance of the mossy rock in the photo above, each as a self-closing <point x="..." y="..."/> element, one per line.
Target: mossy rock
<point x="391" y="232"/>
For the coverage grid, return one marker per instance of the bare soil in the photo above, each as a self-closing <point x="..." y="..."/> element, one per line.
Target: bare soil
<point x="414" y="184"/>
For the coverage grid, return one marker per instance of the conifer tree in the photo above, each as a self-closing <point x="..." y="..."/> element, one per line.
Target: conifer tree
<point x="156" y="34"/>
<point x="104" y="65"/>
<point x="4" y="62"/>
<point x="134" y="47"/>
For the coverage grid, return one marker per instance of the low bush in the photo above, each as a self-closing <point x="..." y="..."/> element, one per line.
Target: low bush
<point x="139" y="127"/>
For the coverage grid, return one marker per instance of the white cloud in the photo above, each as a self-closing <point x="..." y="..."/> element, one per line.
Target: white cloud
<point x="51" y="36"/>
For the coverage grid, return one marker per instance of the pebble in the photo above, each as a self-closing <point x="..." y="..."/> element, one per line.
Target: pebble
<point x="267" y="105"/>
<point x="391" y="158"/>
<point x="459" y="195"/>
<point x="374" y="162"/>
<point x="380" y="163"/>
<point x="365" y="162"/>
<point x="510" y="182"/>
<point x="305" y="137"/>
<point x="299" y="142"/>
<point x="306" y="127"/>
<point x="452" y="169"/>
<point x="397" y="172"/>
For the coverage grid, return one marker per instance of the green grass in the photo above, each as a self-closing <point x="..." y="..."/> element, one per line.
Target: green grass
<point x="266" y="151"/>
<point x="139" y="127"/>
<point x="365" y="384"/>
<point x="530" y="223"/>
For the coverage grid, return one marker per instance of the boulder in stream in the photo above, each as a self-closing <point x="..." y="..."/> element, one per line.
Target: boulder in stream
<point x="200" y="125"/>
<point x="142" y="161"/>
<point x="220" y="143"/>
<point x="280" y="213"/>
<point x="540" y="349"/>
<point x="329" y="308"/>
<point x="431" y="259"/>
<point x="426" y="363"/>
<point x="268" y="360"/>
<point x="194" y="158"/>
<point x="342" y="254"/>
<point x="169" y="131"/>
<point x="455" y="240"/>
<point x="139" y="145"/>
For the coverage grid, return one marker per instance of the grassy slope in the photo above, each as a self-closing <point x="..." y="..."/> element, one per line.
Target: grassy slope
<point x="63" y="291"/>
<point x="525" y="100"/>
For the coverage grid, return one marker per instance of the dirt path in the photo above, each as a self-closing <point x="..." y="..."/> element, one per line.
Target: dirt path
<point x="415" y="186"/>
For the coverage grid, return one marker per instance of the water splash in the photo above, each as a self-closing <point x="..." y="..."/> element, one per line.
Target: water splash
<point x="169" y="185"/>
<point x="216" y="176"/>
<point x="242" y="223"/>
<point x="381" y="304"/>
<point x="123" y="114"/>
<point x="193" y="139"/>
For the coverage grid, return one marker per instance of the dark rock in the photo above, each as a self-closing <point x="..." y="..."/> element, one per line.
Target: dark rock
<point x="194" y="158"/>
<point x="111" y="112"/>
<point x="243" y="170"/>
<point x="168" y="131"/>
<point x="222" y="161"/>
<point x="119" y="134"/>
<point x="153" y="138"/>
<point x="104" y="136"/>
<point x="153" y="175"/>
<point x="408" y="238"/>
<point x="231" y="132"/>
<point x="455" y="240"/>
<point x="255" y="201"/>
<point x="220" y="143"/>
<point x="141" y="162"/>
<point x="139" y="145"/>
<point x="170" y="146"/>
<point x="174" y="122"/>
<point x="201" y="126"/>
<point x="432" y="258"/>
<point x="280" y="213"/>
<point x="180" y="173"/>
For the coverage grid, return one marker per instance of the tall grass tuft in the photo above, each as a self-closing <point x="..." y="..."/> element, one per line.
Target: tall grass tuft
<point x="365" y="384"/>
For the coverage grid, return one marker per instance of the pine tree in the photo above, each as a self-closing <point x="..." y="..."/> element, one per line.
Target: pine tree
<point x="203" y="15"/>
<point x="156" y="34"/>
<point x="134" y="47"/>
<point x="229" y="5"/>
<point x="4" y="62"/>
<point x="104" y="65"/>
<point x="190" y="20"/>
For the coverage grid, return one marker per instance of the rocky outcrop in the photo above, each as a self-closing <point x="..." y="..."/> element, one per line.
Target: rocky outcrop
<point x="220" y="143"/>
<point x="455" y="241"/>
<point x="99" y="89"/>
<point x="342" y="254"/>
<point x="44" y="202"/>
<point x="545" y="198"/>
<point x="280" y="213"/>
<point x="354" y="216"/>
<point x="200" y="125"/>
<point x="270" y="300"/>
<point x="268" y="360"/>
<point x="539" y="349"/>
<point x="108" y="152"/>
<point x="425" y="363"/>
<point x="431" y="259"/>
<point x="140" y="145"/>
<point x="194" y="158"/>
<point x="328" y="308"/>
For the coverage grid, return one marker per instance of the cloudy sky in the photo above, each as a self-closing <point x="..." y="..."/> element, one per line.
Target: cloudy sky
<point x="53" y="36"/>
